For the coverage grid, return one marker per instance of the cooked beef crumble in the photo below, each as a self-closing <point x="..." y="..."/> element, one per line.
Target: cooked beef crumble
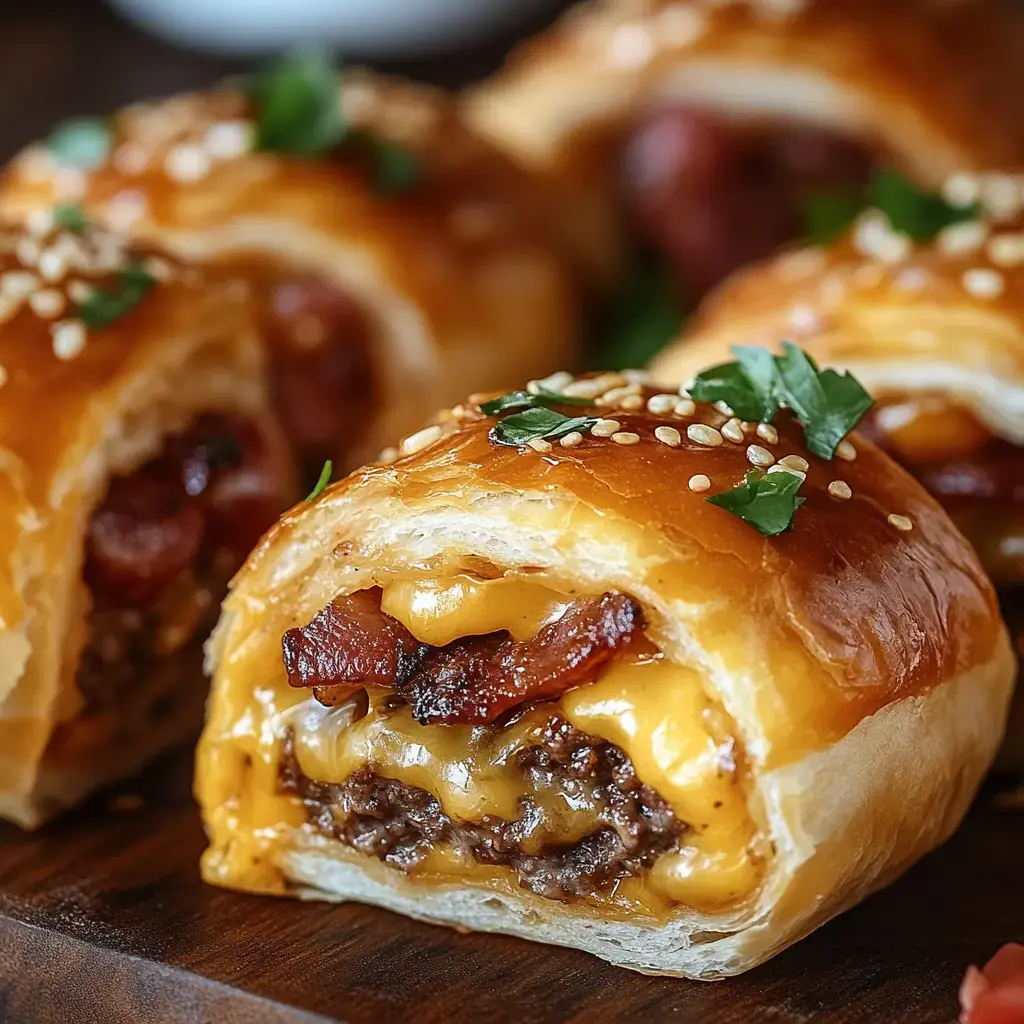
<point x="400" y="824"/>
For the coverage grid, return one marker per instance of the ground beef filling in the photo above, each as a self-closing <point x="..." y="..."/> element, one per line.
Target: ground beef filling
<point x="401" y="824"/>
<point x="712" y="194"/>
<point x="160" y="550"/>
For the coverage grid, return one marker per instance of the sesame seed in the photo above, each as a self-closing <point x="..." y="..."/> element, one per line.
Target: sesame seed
<point x="1006" y="250"/>
<point x="79" y="291"/>
<point x="616" y="395"/>
<point x="18" y="284"/>
<point x="538" y="444"/>
<point x="873" y="235"/>
<point x="229" y="140"/>
<point x="733" y="430"/>
<point x="684" y="388"/>
<point x="27" y="252"/>
<point x="631" y="46"/>
<point x="679" y="26"/>
<point x="960" y="239"/>
<point x="846" y="451"/>
<point x="553" y="382"/>
<point x="39" y="222"/>
<point x="632" y="402"/>
<point x="48" y="303"/>
<point x="669" y="436"/>
<point x="388" y="455"/>
<point x="840" y="490"/>
<point x="626" y="437"/>
<point x="1000" y="196"/>
<point x="796" y="462"/>
<point x="768" y="433"/>
<point x="699" y="482"/>
<point x="961" y="189"/>
<point x="157" y="268"/>
<point x="636" y="376"/>
<point x="126" y="208"/>
<point x="901" y="523"/>
<point x="779" y="468"/>
<point x="53" y="265"/>
<point x="420" y="440"/>
<point x="701" y="433"/>
<point x="685" y="407"/>
<point x="130" y="158"/>
<point x="605" y="428"/>
<point x="724" y="408"/>
<point x="572" y="439"/>
<point x="759" y="456"/>
<point x="583" y="389"/>
<point x="9" y="307"/>
<point x="983" y="283"/>
<point x="660" y="404"/>
<point x="68" y="339"/>
<point x="186" y="163"/>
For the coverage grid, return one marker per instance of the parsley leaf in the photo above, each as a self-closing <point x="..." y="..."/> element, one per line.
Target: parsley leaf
<point x="106" y="305"/>
<point x="322" y="482"/>
<point x="828" y="404"/>
<point x="84" y="142"/>
<point x="828" y="214"/>
<point x="297" y="105"/>
<point x="747" y="386"/>
<point x="767" y="501"/>
<point x="646" y="317"/>
<point x="529" y="400"/>
<point x="397" y="169"/>
<point x="537" y="422"/>
<point x="71" y="217"/>
<point x="921" y="215"/>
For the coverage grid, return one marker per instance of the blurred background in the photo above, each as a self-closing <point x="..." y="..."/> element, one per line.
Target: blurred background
<point x="63" y="58"/>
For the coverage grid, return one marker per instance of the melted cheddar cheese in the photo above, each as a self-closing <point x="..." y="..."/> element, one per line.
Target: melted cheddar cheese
<point x="657" y="712"/>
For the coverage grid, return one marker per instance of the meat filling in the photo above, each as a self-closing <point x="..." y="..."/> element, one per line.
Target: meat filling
<point x="402" y="824"/>
<point x="712" y="195"/>
<point x="475" y="680"/>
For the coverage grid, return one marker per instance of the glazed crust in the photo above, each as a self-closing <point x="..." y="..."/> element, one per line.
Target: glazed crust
<point x="936" y="87"/>
<point x="464" y="255"/>
<point x="866" y="667"/>
<point x="69" y="419"/>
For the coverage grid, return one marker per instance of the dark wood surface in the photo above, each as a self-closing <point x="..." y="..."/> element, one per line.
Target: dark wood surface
<point x="103" y="918"/>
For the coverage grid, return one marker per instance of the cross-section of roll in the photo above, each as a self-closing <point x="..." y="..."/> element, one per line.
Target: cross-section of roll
<point x="609" y="669"/>
<point x="715" y="132"/>
<point x="399" y="260"/>
<point x="138" y="466"/>
<point x="933" y="328"/>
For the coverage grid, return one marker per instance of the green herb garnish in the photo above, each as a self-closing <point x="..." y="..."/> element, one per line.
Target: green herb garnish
<point x="921" y="215"/>
<point x="71" y="217"/>
<point x="529" y="400"/>
<point x="297" y="105"/>
<point x="767" y="501"/>
<point x="322" y="482"/>
<point x="828" y="214"/>
<point x="747" y="386"/>
<point x="83" y="143"/>
<point x="646" y="318"/>
<point x="396" y="169"/>
<point x="105" y="305"/>
<point x="545" y="424"/>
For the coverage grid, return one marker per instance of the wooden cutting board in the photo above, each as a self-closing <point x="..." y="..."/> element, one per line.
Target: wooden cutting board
<point x="103" y="920"/>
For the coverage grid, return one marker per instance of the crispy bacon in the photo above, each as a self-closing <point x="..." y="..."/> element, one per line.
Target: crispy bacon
<point x="473" y="680"/>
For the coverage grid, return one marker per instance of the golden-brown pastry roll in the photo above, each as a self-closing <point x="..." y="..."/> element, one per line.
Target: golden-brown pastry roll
<point x="605" y="668"/>
<point x="400" y="261"/>
<point x="710" y="131"/>
<point x="138" y="465"/>
<point x="934" y="329"/>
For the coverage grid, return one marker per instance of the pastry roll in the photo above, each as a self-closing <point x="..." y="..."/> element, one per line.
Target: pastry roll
<point x="399" y="260"/>
<point x="616" y="671"/>
<point x="933" y="328"/>
<point x="138" y="466"/>
<point x="711" y="132"/>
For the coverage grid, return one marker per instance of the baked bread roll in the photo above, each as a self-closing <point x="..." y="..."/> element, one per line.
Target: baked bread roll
<point x="708" y="129"/>
<point x="527" y="678"/>
<point x="400" y="260"/>
<point x="138" y="465"/>
<point x="934" y="329"/>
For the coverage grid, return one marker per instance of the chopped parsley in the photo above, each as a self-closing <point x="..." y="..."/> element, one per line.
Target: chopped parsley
<point x="396" y="168"/>
<point x="71" y="217"/>
<point x="767" y="501"/>
<point x="529" y="400"/>
<point x="323" y="480"/>
<point x="828" y="214"/>
<point x="545" y="424"/>
<point x="748" y="386"/>
<point x="84" y="142"/>
<point x="105" y="305"/>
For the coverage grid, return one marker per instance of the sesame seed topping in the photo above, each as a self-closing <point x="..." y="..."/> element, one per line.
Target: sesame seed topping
<point x="960" y="239"/>
<point x="796" y="462"/>
<point x="626" y="437"/>
<point x="388" y="455"/>
<point x="846" y="451"/>
<point x="553" y="382"/>
<point x="685" y="407"/>
<point x="901" y="523"/>
<point x="618" y="395"/>
<point x="733" y="430"/>
<point x="538" y="444"/>
<point x="759" y="456"/>
<point x="53" y="265"/>
<point x="39" y="222"/>
<point x="724" y="408"/>
<point x="661" y="404"/>
<point x="27" y="252"/>
<point x="699" y="482"/>
<point x="669" y="436"/>
<point x="420" y="440"/>
<point x="571" y="440"/>
<point x="130" y="158"/>
<point x="1000" y="196"/>
<point x="632" y="402"/>
<point x="1006" y="250"/>
<point x="873" y="235"/>
<point x="229" y="140"/>
<point x="79" y="291"/>
<point x="48" y="303"/>
<point x="701" y="433"/>
<point x="961" y="189"/>
<point x="779" y="468"/>
<point x="768" y="433"/>
<point x="605" y="428"/>
<point x="631" y="46"/>
<point x="126" y="208"/>
<point x="983" y="283"/>
<point x="840" y="490"/>
<point x="68" y="339"/>
<point x="18" y="284"/>
<point x="186" y="163"/>
<point x="583" y="389"/>
<point x="157" y="268"/>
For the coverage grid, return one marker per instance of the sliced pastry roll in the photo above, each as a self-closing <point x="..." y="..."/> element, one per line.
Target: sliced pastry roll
<point x="138" y="466"/>
<point x="398" y="260"/>
<point x="600" y="666"/>
<point x="711" y="133"/>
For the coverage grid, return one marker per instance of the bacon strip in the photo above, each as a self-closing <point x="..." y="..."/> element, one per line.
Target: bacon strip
<point x="474" y="680"/>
